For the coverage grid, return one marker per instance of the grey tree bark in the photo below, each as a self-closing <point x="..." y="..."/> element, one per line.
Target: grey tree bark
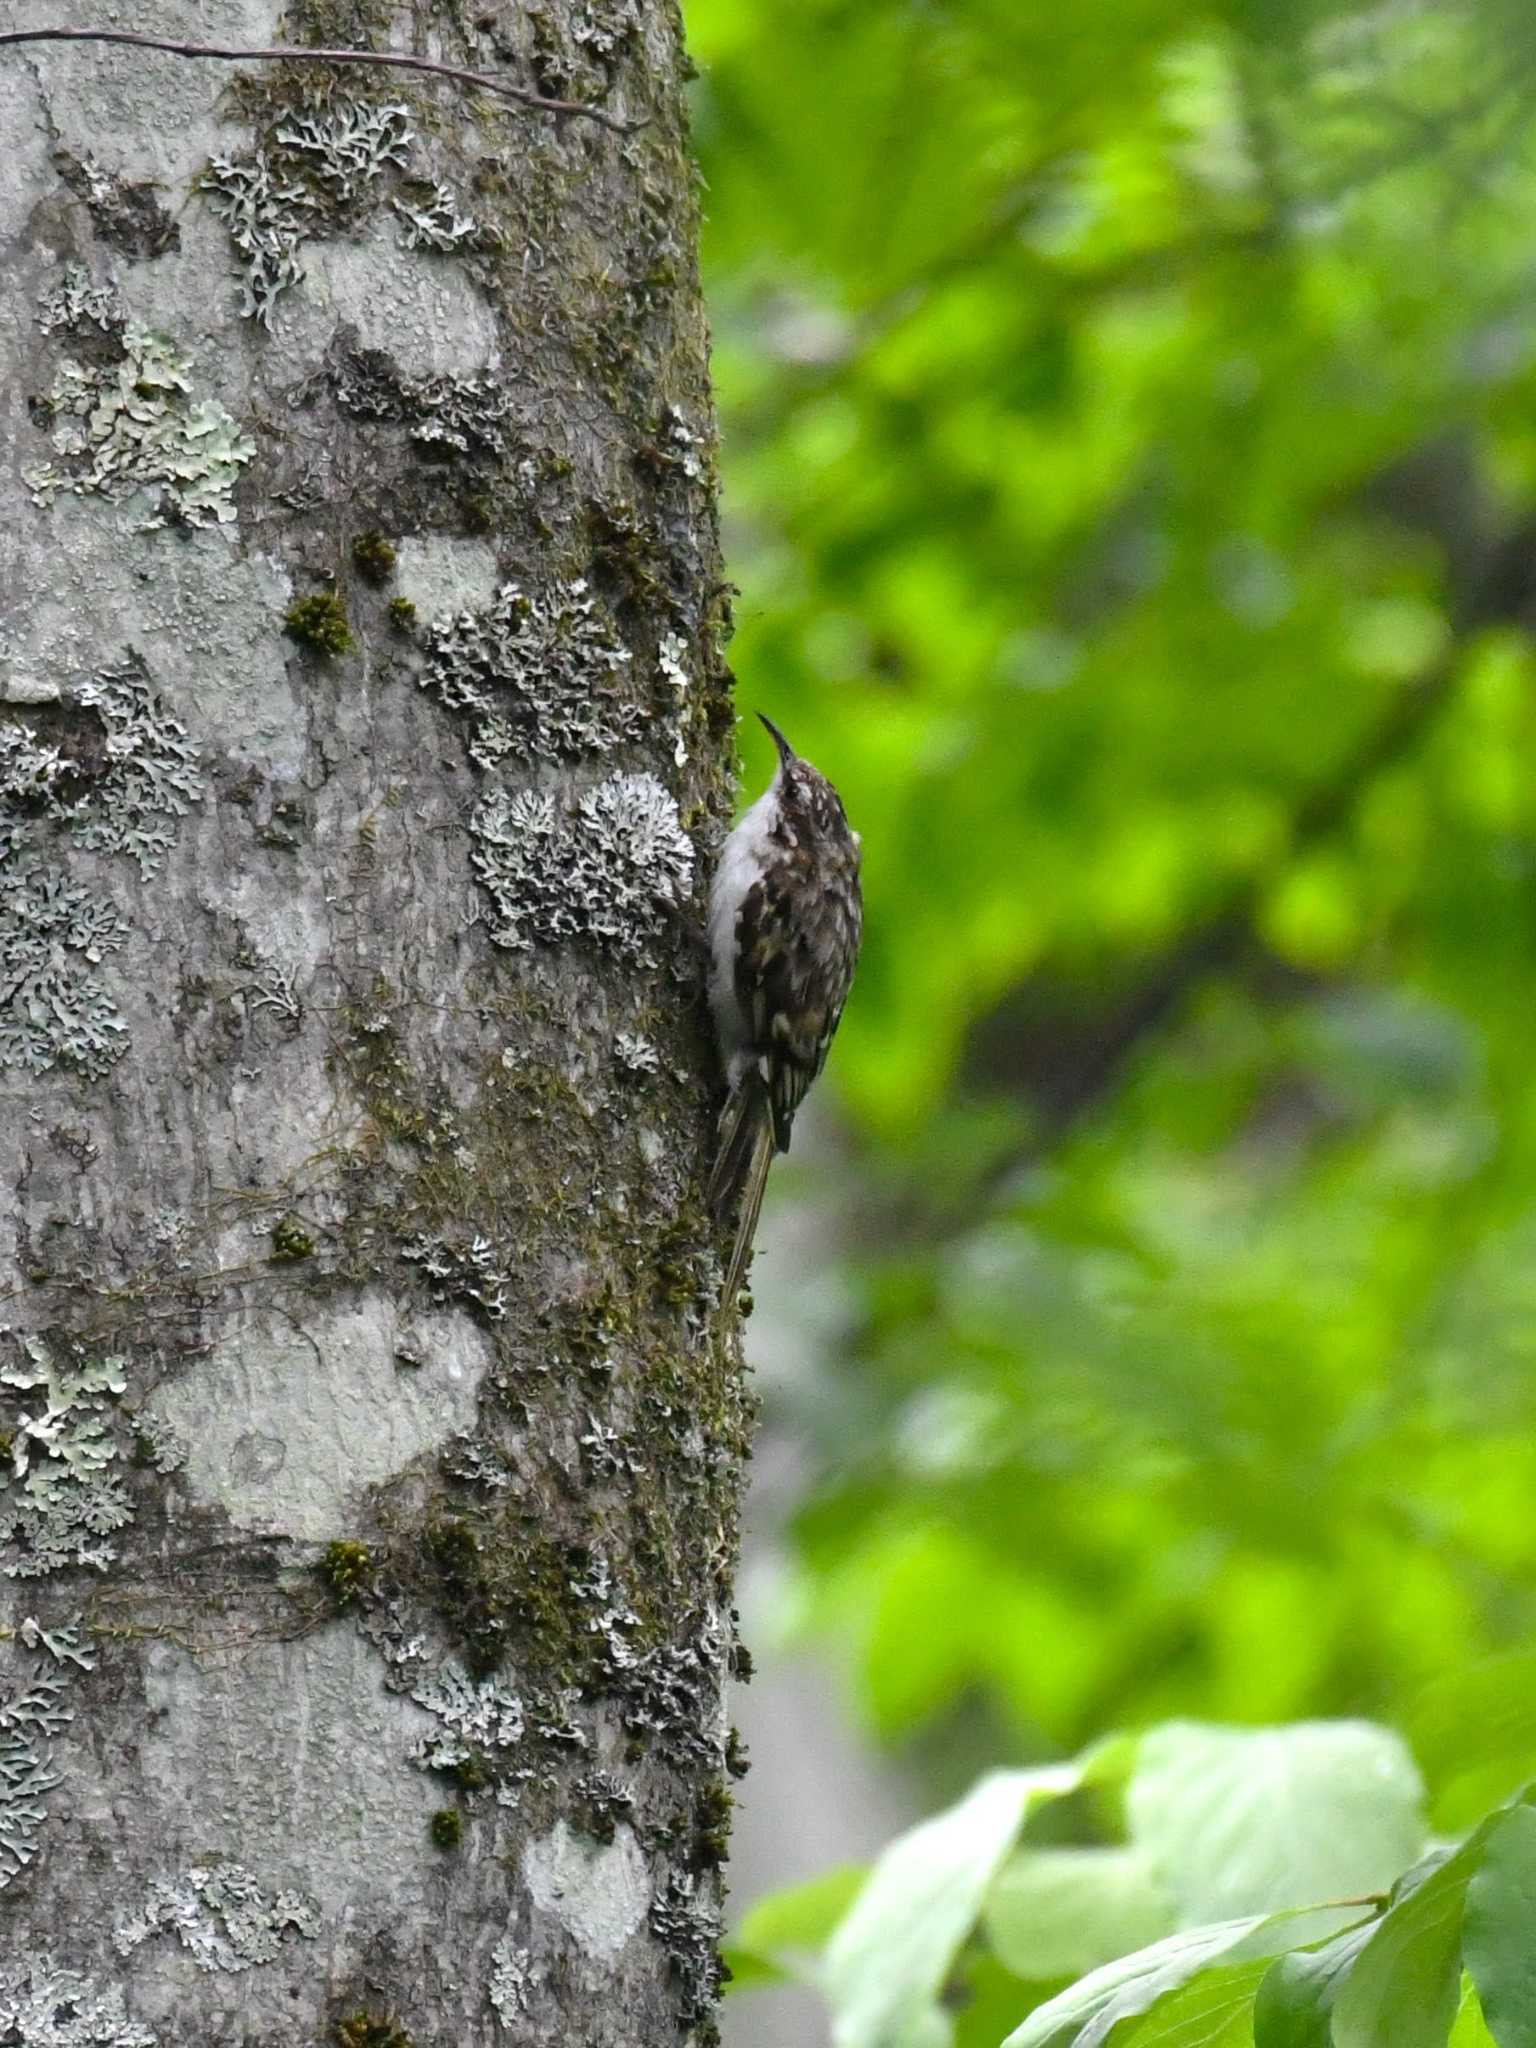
<point x="371" y="1427"/>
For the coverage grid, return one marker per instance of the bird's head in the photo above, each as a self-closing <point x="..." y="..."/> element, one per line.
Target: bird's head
<point x="804" y="791"/>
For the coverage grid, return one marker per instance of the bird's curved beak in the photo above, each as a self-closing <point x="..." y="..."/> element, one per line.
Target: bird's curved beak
<point x="786" y="751"/>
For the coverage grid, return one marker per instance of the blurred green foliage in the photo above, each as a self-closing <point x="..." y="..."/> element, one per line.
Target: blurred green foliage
<point x="1266" y="1888"/>
<point x="1129" y="421"/>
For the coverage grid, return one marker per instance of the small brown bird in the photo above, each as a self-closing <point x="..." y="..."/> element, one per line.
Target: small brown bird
<point x="785" y="919"/>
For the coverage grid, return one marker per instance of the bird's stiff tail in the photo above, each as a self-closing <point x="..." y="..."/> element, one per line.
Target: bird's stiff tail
<point x="741" y="1173"/>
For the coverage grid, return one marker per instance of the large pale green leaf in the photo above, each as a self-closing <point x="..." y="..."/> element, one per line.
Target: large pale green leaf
<point x="1401" y="1991"/>
<point x="925" y="2026"/>
<point x="1403" y="1988"/>
<point x="1499" y="1937"/>
<point x="1213" y="2010"/>
<point x="1294" y="2007"/>
<point x="1395" y="1980"/>
<point x="889" y="1957"/>
<point x="1061" y="1912"/>
<point x="1085" y="2014"/>
<point x="1255" y="1820"/>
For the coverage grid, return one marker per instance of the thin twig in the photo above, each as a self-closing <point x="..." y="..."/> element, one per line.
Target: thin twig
<point x="280" y="54"/>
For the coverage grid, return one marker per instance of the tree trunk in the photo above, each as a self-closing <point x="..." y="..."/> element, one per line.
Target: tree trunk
<point x="372" y="1427"/>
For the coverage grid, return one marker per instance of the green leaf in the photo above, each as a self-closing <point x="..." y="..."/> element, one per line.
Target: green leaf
<point x="1213" y="2010"/>
<point x="1402" y="1989"/>
<point x="802" y="1916"/>
<point x="1061" y="1912"/>
<point x="929" y="2026"/>
<point x="1256" y="1820"/>
<point x="1108" y="1766"/>
<point x="889" y="1957"/>
<point x="1391" y="1982"/>
<point x="750" y="1971"/>
<point x="988" y="2004"/>
<point x="1294" y="2007"/>
<point x="1083" y="2015"/>
<point x="1471" y="2029"/>
<point x="1499" y="1939"/>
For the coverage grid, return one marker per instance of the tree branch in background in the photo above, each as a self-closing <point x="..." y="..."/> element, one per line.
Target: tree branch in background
<point x="1491" y="584"/>
<point x="400" y="60"/>
<point x="1084" y="1069"/>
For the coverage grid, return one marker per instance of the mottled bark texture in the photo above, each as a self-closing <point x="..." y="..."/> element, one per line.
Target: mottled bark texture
<point x="371" y="1429"/>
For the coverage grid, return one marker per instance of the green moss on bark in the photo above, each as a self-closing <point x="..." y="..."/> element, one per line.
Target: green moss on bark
<point x="319" y="623"/>
<point x="366" y="2029"/>
<point x="374" y="555"/>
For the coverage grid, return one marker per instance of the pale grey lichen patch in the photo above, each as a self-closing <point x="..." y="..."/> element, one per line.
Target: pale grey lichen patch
<point x="78" y="301"/>
<point x="130" y="770"/>
<point x="603" y="26"/>
<point x="480" y="1719"/>
<point x="65" y="1645"/>
<point x="267" y="214"/>
<point x="130" y="426"/>
<point x="59" y="1502"/>
<point x="671" y="1693"/>
<point x="107" y="761"/>
<point x="26" y="1722"/>
<point x="29" y="1721"/>
<point x="605" y="1452"/>
<point x="511" y="1974"/>
<point x="466" y="1269"/>
<point x="614" y="871"/>
<point x="221" y="1916"/>
<point x="636" y="1053"/>
<point x="54" y="1006"/>
<point x="463" y="415"/>
<point x="536" y="674"/>
<point x="597" y="1891"/>
<point x="43" y="2005"/>
<point x="437" y="222"/>
<point x="579" y="54"/>
<point x="634" y="850"/>
<point x="688" y="1925"/>
<point x="150" y="774"/>
<point x="275" y="989"/>
<point x="478" y="1461"/>
<point x="350" y="143"/>
<point x="684" y="445"/>
<point x="158" y="1444"/>
<point x="269" y="201"/>
<point x="483" y="1715"/>
<point x="672" y="661"/>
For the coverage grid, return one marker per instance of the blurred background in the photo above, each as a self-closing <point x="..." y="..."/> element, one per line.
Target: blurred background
<point x="1129" y="419"/>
